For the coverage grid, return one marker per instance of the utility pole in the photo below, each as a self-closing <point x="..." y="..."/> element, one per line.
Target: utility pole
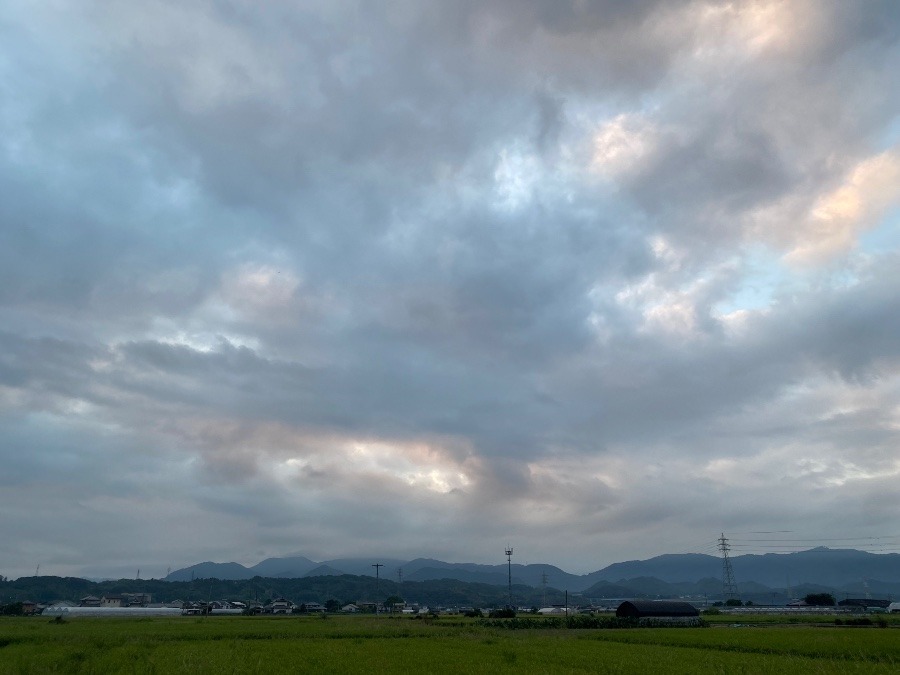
<point x="729" y="586"/>
<point x="399" y="587"/>
<point x="509" y="553"/>
<point x="377" y="567"/>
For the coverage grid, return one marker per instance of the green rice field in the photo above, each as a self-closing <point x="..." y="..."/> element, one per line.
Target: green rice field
<point x="444" y="645"/>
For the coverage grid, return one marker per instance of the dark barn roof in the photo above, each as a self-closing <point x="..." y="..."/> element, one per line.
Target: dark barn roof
<point x="643" y="608"/>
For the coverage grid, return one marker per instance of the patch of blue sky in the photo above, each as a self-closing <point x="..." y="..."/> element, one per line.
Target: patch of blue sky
<point x="891" y="135"/>
<point x="764" y="276"/>
<point x="883" y="238"/>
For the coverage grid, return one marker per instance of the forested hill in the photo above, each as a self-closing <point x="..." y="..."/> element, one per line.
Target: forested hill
<point x="344" y="588"/>
<point x="435" y="592"/>
<point x="819" y="566"/>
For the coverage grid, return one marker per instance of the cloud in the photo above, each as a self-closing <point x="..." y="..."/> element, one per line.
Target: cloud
<point x="594" y="276"/>
<point x="837" y="218"/>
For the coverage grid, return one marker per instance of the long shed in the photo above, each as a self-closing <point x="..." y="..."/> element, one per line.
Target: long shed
<point x="640" y="609"/>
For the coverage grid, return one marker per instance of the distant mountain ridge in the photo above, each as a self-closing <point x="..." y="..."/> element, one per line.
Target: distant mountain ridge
<point x="834" y="568"/>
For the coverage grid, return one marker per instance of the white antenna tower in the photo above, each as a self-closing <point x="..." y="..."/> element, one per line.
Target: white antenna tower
<point x="509" y="553"/>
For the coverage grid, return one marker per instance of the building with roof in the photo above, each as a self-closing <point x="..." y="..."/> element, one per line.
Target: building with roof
<point x="637" y="609"/>
<point x="659" y="611"/>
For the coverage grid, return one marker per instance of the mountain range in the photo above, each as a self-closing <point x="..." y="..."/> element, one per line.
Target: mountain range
<point x="834" y="568"/>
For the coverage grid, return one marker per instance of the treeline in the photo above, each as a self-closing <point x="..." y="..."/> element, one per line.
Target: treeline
<point x="344" y="589"/>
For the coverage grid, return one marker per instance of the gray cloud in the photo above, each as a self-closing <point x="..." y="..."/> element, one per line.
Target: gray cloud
<point x="552" y="272"/>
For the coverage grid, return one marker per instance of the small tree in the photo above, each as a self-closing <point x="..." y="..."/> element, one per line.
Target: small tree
<point x="392" y="601"/>
<point x="819" y="600"/>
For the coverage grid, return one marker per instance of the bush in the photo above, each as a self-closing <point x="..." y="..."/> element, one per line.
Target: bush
<point x="505" y="613"/>
<point x="819" y="600"/>
<point x="576" y="621"/>
<point x="861" y="621"/>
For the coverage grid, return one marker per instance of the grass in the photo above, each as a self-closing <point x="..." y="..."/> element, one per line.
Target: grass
<point x="370" y="644"/>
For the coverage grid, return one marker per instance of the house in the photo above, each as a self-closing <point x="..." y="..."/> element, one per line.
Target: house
<point x="659" y="611"/>
<point x="656" y="608"/>
<point x="281" y="606"/>
<point x="111" y="601"/>
<point x="135" y="599"/>
<point x="350" y="609"/>
<point x="89" y="601"/>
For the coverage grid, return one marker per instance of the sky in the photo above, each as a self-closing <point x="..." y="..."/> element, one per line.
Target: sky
<point x="594" y="280"/>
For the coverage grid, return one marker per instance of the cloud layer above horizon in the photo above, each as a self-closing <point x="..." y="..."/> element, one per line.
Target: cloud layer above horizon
<point x="598" y="280"/>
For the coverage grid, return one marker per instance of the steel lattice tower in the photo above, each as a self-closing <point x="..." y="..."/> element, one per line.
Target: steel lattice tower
<point x="729" y="585"/>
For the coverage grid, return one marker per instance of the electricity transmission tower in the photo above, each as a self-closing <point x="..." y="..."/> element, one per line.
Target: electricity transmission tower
<point x="729" y="586"/>
<point x="544" y="587"/>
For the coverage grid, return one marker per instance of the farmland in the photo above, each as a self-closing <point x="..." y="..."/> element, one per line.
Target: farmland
<point x="446" y="644"/>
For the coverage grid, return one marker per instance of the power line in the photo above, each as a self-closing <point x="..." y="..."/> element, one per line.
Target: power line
<point x="816" y="540"/>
